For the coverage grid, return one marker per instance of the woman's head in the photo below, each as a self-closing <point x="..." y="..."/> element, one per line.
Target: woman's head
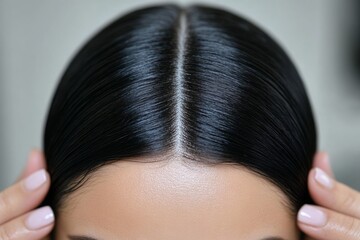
<point x="179" y="123"/>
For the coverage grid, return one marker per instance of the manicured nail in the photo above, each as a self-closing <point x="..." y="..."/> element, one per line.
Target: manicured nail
<point x="35" y="180"/>
<point x="40" y="218"/>
<point x="322" y="178"/>
<point x="312" y="216"/>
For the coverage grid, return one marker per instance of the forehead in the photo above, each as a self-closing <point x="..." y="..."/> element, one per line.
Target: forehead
<point x="174" y="200"/>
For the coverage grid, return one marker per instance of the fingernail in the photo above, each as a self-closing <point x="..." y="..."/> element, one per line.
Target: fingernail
<point x="35" y="180"/>
<point x="40" y="218"/>
<point x="312" y="216"/>
<point x="322" y="178"/>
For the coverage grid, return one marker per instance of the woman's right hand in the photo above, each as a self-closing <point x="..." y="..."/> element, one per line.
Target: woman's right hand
<point x="18" y="219"/>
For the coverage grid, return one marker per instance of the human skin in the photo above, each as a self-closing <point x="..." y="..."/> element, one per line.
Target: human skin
<point x="173" y="200"/>
<point x="339" y="204"/>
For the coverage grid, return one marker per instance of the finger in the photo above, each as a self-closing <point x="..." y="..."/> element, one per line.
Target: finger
<point x="31" y="226"/>
<point x="35" y="161"/>
<point x="332" y="194"/>
<point x="24" y="195"/>
<point x="321" y="160"/>
<point x="324" y="224"/>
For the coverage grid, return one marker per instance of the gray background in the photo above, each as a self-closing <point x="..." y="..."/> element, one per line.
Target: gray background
<point x="38" y="38"/>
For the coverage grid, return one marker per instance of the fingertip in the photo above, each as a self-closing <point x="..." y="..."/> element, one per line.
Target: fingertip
<point x="41" y="163"/>
<point x="40" y="218"/>
<point x="312" y="186"/>
<point x="38" y="160"/>
<point x="26" y="170"/>
<point x="328" y="168"/>
<point x="309" y="231"/>
<point x="321" y="160"/>
<point x="311" y="175"/>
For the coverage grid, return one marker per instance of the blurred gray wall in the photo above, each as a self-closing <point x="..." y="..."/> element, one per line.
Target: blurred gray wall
<point x="38" y="38"/>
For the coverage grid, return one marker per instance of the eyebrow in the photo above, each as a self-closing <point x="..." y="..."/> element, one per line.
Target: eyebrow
<point x="82" y="237"/>
<point x="71" y="237"/>
<point x="273" y="238"/>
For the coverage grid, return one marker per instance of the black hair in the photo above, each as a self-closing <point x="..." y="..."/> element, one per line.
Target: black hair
<point x="198" y="81"/>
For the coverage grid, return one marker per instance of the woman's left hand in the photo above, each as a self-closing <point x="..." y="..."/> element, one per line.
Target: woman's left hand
<point x="337" y="213"/>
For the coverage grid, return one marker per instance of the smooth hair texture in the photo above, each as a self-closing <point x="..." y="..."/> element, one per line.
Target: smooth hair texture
<point x="198" y="82"/>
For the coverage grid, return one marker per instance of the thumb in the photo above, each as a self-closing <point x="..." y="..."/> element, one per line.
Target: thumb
<point x="321" y="160"/>
<point x="35" y="161"/>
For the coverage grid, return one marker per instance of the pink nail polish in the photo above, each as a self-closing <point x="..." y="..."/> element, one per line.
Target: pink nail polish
<point x="35" y="180"/>
<point x="322" y="178"/>
<point x="312" y="215"/>
<point x="40" y="218"/>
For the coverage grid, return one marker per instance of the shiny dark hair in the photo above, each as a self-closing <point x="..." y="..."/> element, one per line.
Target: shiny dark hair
<point x="198" y="81"/>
